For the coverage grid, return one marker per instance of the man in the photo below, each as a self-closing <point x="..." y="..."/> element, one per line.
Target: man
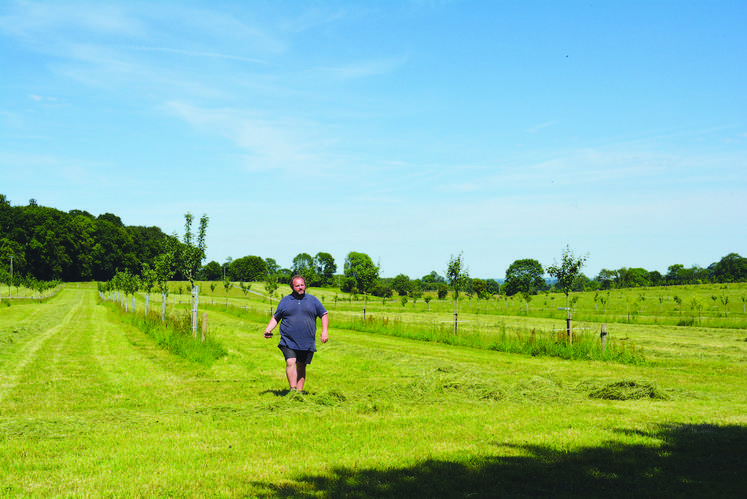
<point x="296" y="314"/>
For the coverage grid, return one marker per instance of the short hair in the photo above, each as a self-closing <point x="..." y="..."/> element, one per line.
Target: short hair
<point x="297" y="277"/>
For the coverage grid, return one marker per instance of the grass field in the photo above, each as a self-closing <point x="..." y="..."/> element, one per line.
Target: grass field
<point x="90" y="407"/>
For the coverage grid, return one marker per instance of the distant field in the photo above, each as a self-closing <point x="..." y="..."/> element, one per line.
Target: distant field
<point x="90" y="407"/>
<point x="695" y="305"/>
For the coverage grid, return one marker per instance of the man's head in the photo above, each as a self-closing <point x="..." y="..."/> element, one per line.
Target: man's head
<point x="298" y="284"/>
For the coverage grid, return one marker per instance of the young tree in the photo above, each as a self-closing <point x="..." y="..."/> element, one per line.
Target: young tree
<point x="227" y="288"/>
<point x="164" y="268"/>
<point x="696" y="304"/>
<point x="527" y="298"/>
<point x="191" y="255"/>
<point x="271" y="285"/>
<point x="725" y="302"/>
<point x="360" y="267"/>
<point x="458" y="278"/>
<point x="148" y="279"/>
<point x="367" y="276"/>
<point x="128" y="284"/>
<point x="245" y="288"/>
<point x="568" y="270"/>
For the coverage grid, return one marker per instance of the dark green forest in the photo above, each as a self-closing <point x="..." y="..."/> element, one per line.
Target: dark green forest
<point x="49" y="244"/>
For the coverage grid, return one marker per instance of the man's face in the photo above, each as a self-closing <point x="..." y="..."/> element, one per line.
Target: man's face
<point x="299" y="286"/>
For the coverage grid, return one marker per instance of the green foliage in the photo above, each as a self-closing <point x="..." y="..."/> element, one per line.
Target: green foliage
<point x="303" y="264"/>
<point x="360" y="267"/>
<point x="480" y="288"/>
<point x="492" y="286"/>
<point x="271" y="284"/>
<point x="126" y="282"/>
<point x="148" y="278"/>
<point x="431" y="281"/>
<point x="731" y="268"/>
<point x="382" y="291"/>
<point x="348" y="284"/>
<point x="457" y="274"/>
<point x="164" y="269"/>
<point x="325" y="267"/>
<point x="567" y="271"/>
<point x="211" y="272"/>
<point x="402" y="285"/>
<point x="366" y="277"/>
<point x="50" y="244"/>
<point x="190" y="254"/>
<point x="524" y="275"/>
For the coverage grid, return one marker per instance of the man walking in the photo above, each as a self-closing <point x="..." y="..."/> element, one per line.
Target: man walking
<point x="297" y="314"/>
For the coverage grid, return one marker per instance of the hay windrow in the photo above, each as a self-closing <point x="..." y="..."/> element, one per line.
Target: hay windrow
<point x="629" y="390"/>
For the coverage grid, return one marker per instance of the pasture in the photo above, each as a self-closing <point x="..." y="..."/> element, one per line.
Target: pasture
<point x="91" y="407"/>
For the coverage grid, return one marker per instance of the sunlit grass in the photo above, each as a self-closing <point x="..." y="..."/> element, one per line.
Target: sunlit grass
<point x="90" y="405"/>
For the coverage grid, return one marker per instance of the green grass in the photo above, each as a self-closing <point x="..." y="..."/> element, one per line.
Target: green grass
<point x="174" y="334"/>
<point x="91" y="406"/>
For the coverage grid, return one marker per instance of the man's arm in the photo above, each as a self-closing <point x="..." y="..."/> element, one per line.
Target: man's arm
<point x="325" y="326"/>
<point x="270" y="326"/>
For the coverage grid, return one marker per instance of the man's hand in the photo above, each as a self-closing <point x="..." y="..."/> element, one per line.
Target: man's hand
<point x="324" y="337"/>
<point x="268" y="334"/>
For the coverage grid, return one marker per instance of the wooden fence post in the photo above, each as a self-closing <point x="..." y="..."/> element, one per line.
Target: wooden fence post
<point x="603" y="336"/>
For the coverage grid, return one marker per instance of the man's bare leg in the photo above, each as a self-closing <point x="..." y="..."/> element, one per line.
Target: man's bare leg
<point x="291" y="374"/>
<point x="300" y="375"/>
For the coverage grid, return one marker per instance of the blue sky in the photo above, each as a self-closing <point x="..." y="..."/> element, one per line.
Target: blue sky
<point x="408" y="130"/>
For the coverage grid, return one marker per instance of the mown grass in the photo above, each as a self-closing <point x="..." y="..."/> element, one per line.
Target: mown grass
<point x="90" y="406"/>
<point x="498" y="336"/>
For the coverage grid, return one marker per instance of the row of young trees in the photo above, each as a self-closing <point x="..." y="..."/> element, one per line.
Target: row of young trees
<point x="183" y="257"/>
<point x="27" y="282"/>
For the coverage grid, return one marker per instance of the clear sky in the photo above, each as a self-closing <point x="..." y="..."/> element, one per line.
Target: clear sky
<point x="407" y="130"/>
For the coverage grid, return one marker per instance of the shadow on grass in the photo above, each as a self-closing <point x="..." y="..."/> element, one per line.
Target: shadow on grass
<point x="691" y="461"/>
<point x="277" y="393"/>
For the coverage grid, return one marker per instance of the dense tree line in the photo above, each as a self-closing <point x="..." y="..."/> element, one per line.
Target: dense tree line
<point x="527" y="276"/>
<point x="48" y="244"/>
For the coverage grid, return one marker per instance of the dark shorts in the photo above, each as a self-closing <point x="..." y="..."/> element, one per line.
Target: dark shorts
<point x="301" y="356"/>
